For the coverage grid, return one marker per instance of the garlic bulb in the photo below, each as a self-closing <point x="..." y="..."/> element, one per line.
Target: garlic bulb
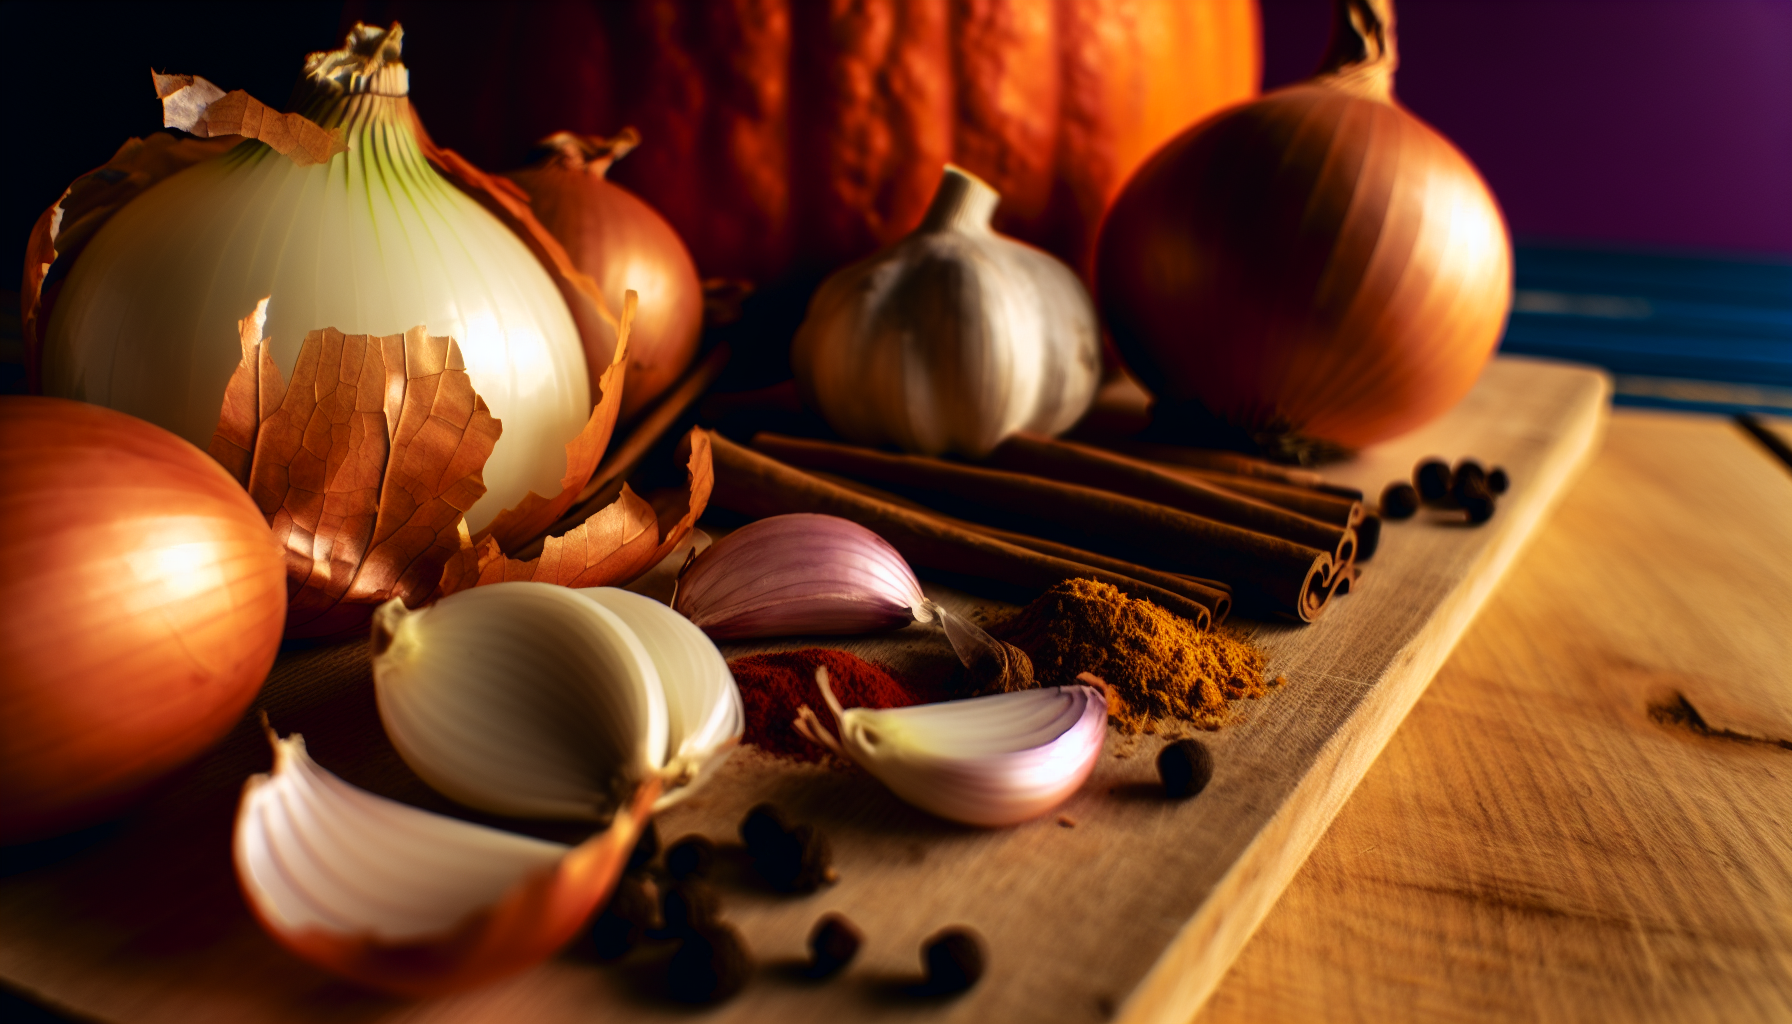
<point x="408" y="901"/>
<point x="371" y="241"/>
<point x="990" y="761"/>
<point x="953" y="338"/>
<point x="800" y="574"/>
<point x="538" y="701"/>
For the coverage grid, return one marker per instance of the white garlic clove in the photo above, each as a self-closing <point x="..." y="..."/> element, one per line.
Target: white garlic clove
<point x="990" y="761"/>
<point x="525" y="699"/>
<point x="404" y="900"/>
<point x="953" y="338"/>
<point x="800" y="574"/>
<point x="705" y="718"/>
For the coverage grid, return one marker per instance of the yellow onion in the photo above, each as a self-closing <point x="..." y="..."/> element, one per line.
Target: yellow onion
<point x="1318" y="262"/>
<point x="144" y="599"/>
<point x="624" y="244"/>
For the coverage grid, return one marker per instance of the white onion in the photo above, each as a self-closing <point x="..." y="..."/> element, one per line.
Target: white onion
<point x="374" y="241"/>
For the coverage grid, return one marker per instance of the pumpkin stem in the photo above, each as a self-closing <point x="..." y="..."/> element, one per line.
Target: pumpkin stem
<point x="1362" y="55"/>
<point x="963" y="202"/>
<point x="592" y="154"/>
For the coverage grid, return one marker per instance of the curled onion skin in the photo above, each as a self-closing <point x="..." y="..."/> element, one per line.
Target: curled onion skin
<point x="623" y="243"/>
<point x="144" y="601"/>
<point x="1318" y="262"/>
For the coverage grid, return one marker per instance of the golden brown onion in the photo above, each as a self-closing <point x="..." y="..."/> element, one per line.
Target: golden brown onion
<point x="144" y="599"/>
<point x="1318" y="262"/>
<point x="622" y="243"/>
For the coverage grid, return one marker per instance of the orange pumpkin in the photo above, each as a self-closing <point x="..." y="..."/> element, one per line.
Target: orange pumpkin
<point x="788" y="135"/>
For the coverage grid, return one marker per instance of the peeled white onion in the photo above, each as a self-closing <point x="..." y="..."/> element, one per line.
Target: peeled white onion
<point x="374" y="241"/>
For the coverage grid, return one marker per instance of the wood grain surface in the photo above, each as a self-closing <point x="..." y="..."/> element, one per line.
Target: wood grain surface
<point x="1133" y="911"/>
<point x="1551" y="836"/>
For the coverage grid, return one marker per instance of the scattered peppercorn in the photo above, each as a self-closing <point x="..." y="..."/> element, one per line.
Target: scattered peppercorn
<point x="646" y="848"/>
<point x="1469" y="479"/>
<point x="1478" y="506"/>
<point x="689" y="905"/>
<point x="625" y="919"/>
<point x="954" y="959"/>
<point x="832" y="945"/>
<point x="690" y="857"/>
<point x="710" y="964"/>
<point x="1497" y="481"/>
<point x="1431" y="478"/>
<point x="791" y="858"/>
<point x="1399" y="500"/>
<point x="1185" y="766"/>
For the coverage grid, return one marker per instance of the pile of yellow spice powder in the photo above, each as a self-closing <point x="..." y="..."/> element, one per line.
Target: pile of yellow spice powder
<point x="1157" y="662"/>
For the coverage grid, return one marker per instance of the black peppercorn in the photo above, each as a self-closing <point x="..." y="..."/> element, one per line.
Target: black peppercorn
<point x="690" y="857"/>
<point x="646" y="848"/>
<point x="689" y="905"/>
<point x="832" y="945"/>
<point x="625" y="919"/>
<point x="1468" y="481"/>
<point x="1479" y="506"/>
<point x="1497" y="481"/>
<point x="1431" y="478"/>
<point x="791" y="858"/>
<point x="954" y="959"/>
<point x="1399" y="500"/>
<point x="710" y="964"/>
<point x="1185" y="767"/>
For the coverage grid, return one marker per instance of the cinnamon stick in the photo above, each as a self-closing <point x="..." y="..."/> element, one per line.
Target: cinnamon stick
<point x="1265" y="572"/>
<point x="1231" y="463"/>
<point x="758" y="485"/>
<point x="1070" y="462"/>
<point x="1328" y="508"/>
<point x="1213" y="595"/>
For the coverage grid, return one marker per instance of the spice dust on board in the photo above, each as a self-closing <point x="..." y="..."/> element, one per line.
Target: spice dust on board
<point x="1162" y="667"/>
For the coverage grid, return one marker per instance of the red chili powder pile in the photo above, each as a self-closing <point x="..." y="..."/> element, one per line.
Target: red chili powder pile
<point x="773" y="686"/>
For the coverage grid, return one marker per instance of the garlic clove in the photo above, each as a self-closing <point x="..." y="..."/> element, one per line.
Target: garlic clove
<point x="404" y="900"/>
<point x="800" y="574"/>
<point x="526" y="699"/>
<point x="989" y="761"/>
<point x="705" y="717"/>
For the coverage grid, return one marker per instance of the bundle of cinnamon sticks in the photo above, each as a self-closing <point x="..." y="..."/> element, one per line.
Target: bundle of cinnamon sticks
<point x="1191" y="531"/>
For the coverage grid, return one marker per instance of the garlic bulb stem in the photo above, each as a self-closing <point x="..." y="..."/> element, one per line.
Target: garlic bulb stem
<point x="964" y="202"/>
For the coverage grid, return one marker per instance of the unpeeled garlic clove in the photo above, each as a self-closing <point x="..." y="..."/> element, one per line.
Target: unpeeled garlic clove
<point x="800" y="574"/>
<point x="705" y="717"/>
<point x="990" y="761"/>
<point x="404" y="900"/>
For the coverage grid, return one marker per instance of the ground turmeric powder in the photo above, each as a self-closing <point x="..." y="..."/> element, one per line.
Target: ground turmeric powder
<point x="1158" y="663"/>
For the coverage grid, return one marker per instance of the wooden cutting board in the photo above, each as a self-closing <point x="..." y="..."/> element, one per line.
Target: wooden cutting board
<point x="1129" y="907"/>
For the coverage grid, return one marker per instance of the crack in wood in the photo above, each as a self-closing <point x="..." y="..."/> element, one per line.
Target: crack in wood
<point x="1676" y="710"/>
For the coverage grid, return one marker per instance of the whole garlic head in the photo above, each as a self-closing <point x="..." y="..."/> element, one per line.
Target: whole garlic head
<point x="953" y="338"/>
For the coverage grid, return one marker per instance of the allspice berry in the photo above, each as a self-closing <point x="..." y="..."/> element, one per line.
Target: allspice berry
<point x="690" y="857"/>
<point x="1185" y="766"/>
<point x="954" y="960"/>
<point x="791" y="858"/>
<point x="832" y="945"/>
<point x="710" y="964"/>
<point x="1399" y="500"/>
<point x="689" y="905"/>
<point x="1431" y="478"/>
<point x="625" y="919"/>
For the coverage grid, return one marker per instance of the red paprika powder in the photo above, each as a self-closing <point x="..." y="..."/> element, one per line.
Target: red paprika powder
<point x="773" y="686"/>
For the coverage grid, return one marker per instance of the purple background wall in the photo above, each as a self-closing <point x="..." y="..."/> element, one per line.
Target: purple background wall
<point x="1656" y="123"/>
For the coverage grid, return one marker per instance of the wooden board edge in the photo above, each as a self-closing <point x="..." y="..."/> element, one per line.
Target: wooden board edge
<point x="1193" y="964"/>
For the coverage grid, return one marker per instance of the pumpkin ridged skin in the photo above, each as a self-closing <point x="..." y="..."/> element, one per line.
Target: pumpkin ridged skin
<point x="1318" y="261"/>
<point x="783" y="135"/>
<point x="144" y="597"/>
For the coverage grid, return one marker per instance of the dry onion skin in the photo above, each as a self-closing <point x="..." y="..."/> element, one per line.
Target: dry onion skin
<point x="1318" y="263"/>
<point x="144" y="599"/>
<point x="373" y="240"/>
<point x="406" y="901"/>
<point x="622" y="243"/>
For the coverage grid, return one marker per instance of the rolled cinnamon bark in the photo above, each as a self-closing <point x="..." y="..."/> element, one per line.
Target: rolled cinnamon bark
<point x="1231" y="463"/>
<point x="758" y="485"/>
<point x="1067" y="461"/>
<point x="1214" y="595"/>
<point x="1266" y="573"/>
<point x="1327" y="508"/>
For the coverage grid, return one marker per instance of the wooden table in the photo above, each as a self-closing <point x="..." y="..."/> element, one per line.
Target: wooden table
<point x="1552" y="835"/>
<point x="1534" y="843"/>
